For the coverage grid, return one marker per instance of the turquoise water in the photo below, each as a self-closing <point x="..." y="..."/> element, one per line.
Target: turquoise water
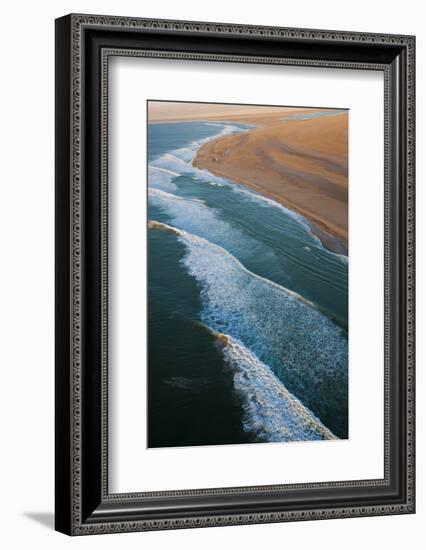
<point x="247" y="309"/>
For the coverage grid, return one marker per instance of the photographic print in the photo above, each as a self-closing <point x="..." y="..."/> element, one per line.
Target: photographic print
<point x="247" y="273"/>
<point x="202" y="333"/>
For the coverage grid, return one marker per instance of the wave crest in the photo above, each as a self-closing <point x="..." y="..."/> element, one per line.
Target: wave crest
<point x="305" y="349"/>
<point x="271" y="412"/>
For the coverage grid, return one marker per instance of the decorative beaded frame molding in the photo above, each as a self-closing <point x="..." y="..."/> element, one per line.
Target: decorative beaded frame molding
<point x="71" y="510"/>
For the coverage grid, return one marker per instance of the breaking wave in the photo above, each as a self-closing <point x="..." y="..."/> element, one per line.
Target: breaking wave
<point x="306" y="351"/>
<point x="271" y="412"/>
<point x="178" y="162"/>
<point x="194" y="216"/>
<point x="187" y="154"/>
<point x="161" y="178"/>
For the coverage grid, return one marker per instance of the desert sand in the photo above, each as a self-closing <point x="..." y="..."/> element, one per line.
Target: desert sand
<point x="303" y="164"/>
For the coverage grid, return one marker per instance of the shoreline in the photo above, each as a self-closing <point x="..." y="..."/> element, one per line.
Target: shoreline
<point x="331" y="241"/>
<point x="319" y="194"/>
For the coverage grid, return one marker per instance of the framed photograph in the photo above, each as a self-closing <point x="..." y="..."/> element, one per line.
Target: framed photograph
<point x="234" y="274"/>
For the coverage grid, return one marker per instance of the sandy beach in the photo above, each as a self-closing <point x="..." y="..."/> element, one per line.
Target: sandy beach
<point x="300" y="162"/>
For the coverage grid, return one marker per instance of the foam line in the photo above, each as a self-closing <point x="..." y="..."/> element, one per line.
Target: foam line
<point x="304" y="348"/>
<point x="271" y="412"/>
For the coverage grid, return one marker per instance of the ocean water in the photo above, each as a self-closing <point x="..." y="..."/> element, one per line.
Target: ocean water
<point x="247" y="310"/>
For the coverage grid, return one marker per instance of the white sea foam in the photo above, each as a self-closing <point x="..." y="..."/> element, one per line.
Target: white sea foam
<point x="271" y="412"/>
<point x="299" y="218"/>
<point x="179" y="162"/>
<point x="161" y="178"/>
<point x="266" y="201"/>
<point x="187" y="213"/>
<point x="170" y="197"/>
<point x="186" y="154"/>
<point x="210" y="178"/>
<point x="225" y="130"/>
<point x="176" y="161"/>
<point x="194" y="216"/>
<point x="201" y="243"/>
<point x="341" y="257"/>
<point x="181" y="159"/>
<point x="169" y="161"/>
<point x="305" y="349"/>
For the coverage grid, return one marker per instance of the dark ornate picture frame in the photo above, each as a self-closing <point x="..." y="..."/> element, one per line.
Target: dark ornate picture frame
<point x="84" y="44"/>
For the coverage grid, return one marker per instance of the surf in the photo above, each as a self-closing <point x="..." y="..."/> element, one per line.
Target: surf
<point x="304" y="349"/>
<point x="271" y="412"/>
<point x="265" y="249"/>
